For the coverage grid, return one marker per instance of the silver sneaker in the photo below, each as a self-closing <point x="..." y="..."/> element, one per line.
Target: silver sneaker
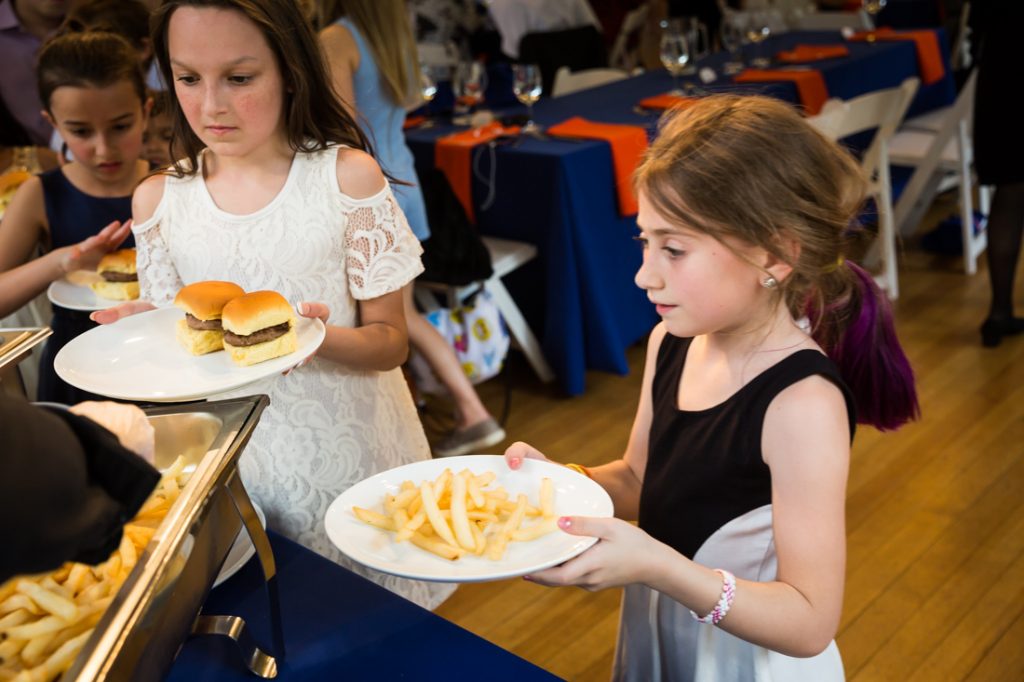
<point x="471" y="440"/>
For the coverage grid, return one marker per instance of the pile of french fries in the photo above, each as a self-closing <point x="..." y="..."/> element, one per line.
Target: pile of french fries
<point x="46" y="619"/>
<point x="459" y="514"/>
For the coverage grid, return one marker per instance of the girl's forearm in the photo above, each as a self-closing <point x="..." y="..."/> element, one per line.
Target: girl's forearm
<point x="377" y="346"/>
<point x="774" y="615"/>
<point x="20" y="285"/>
<point x="622" y="485"/>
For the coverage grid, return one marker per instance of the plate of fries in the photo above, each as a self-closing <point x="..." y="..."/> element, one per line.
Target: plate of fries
<point x="464" y="519"/>
<point x="46" y="619"/>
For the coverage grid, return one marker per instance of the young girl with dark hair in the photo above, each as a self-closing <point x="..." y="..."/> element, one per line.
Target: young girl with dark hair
<point x="273" y="188"/>
<point x="770" y="345"/>
<point x="92" y="90"/>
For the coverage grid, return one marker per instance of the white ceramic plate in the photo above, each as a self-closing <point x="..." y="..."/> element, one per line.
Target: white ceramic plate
<point x="138" y="358"/>
<point x="241" y="551"/>
<point x="575" y="494"/>
<point x="72" y="291"/>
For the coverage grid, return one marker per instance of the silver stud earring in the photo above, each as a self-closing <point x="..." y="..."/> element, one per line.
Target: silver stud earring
<point x="769" y="282"/>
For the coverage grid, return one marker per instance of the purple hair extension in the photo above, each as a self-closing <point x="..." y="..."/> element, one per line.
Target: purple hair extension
<point x="871" y="361"/>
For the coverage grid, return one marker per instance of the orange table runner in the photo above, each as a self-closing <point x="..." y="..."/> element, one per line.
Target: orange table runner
<point x="413" y="122"/>
<point x="810" y="85"/>
<point x="929" y="56"/>
<point x="453" y="155"/>
<point x="666" y="101"/>
<point x="801" y="54"/>
<point x="628" y="145"/>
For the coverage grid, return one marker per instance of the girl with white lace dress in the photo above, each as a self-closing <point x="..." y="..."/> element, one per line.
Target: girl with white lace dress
<point x="276" y="191"/>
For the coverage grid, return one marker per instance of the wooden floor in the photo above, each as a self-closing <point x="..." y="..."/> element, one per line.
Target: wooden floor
<point x="935" y="580"/>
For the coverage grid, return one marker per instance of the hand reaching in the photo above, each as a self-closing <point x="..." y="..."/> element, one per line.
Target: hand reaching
<point x="112" y="315"/>
<point x="518" y="451"/>
<point x="623" y="555"/>
<point x="86" y="254"/>
<point x="311" y="310"/>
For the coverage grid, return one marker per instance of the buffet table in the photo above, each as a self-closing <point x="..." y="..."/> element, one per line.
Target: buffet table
<point x="338" y="625"/>
<point x="578" y="295"/>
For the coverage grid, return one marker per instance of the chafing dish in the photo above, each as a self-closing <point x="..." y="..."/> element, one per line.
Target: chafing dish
<point x="157" y="607"/>
<point x="17" y="342"/>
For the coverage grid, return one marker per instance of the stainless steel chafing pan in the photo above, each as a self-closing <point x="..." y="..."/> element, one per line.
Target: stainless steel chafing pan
<point x="156" y="608"/>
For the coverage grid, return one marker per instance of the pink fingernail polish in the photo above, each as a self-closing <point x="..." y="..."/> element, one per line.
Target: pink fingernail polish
<point x="565" y="523"/>
<point x="528" y="578"/>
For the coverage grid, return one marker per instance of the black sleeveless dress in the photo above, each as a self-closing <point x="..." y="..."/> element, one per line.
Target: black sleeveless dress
<point x="707" y="494"/>
<point x="72" y="216"/>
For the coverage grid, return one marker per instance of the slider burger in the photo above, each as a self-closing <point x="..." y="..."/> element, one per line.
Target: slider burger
<point x="259" y="326"/>
<point x="120" y="280"/>
<point x="200" y="332"/>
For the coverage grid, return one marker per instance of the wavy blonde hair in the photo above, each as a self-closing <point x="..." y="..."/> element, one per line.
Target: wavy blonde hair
<point x="385" y="26"/>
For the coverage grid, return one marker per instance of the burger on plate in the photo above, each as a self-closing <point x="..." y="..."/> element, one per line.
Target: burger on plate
<point x="120" y="280"/>
<point x="201" y="332"/>
<point x="259" y="326"/>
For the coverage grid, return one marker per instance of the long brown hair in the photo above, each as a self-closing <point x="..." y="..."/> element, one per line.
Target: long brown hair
<point x="314" y="116"/>
<point x="385" y="26"/>
<point x="751" y="169"/>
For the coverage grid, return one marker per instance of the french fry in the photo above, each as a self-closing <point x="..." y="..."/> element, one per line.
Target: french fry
<point x="535" y="531"/>
<point x="34" y="651"/>
<point x="460" y="522"/>
<point x="411" y="526"/>
<point x="15" y="618"/>
<point x="374" y="518"/>
<point x="54" y="603"/>
<point x="438" y="547"/>
<point x="434" y="513"/>
<point x="475" y="492"/>
<point x="547" y="498"/>
<point x="479" y="539"/>
<point x="19" y="602"/>
<point x="441" y="484"/>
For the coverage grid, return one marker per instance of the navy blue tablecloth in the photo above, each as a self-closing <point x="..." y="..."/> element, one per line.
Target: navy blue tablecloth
<point x="340" y="626"/>
<point x="578" y="295"/>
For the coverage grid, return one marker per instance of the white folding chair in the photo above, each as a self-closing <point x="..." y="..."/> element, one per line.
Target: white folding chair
<point x="882" y="111"/>
<point x="625" y="53"/>
<point x="938" y="147"/>
<point x="567" y="81"/>
<point x="506" y="256"/>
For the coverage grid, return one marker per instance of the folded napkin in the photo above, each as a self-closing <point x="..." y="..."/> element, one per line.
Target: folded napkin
<point x="628" y="145"/>
<point x="666" y="101"/>
<point x="802" y="54"/>
<point x="413" y="122"/>
<point x="929" y="56"/>
<point x="453" y="156"/>
<point x="810" y="85"/>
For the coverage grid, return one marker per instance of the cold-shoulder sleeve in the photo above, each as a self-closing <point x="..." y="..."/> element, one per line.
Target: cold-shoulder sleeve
<point x="381" y="252"/>
<point x="159" y="281"/>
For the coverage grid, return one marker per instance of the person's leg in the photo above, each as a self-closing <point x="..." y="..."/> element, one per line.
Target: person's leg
<point x="1005" y="227"/>
<point x="441" y="358"/>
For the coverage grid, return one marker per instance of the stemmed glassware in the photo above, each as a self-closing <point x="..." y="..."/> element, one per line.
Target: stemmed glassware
<point x="469" y="82"/>
<point x="873" y="7"/>
<point x="732" y="41"/>
<point x="527" y="86"/>
<point x="674" y="52"/>
<point x="758" y="29"/>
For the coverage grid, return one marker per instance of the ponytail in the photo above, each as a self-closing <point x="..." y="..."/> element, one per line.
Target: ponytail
<point x="857" y="333"/>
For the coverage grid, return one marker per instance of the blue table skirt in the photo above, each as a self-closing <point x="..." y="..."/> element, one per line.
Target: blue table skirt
<point x="338" y="625"/>
<point x="578" y="295"/>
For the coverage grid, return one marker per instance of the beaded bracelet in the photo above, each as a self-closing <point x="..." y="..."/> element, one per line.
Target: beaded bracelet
<point x="580" y="469"/>
<point x="724" y="601"/>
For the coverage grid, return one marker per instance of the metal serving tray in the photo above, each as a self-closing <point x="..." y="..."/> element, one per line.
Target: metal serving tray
<point x="17" y="342"/>
<point x="157" y="607"/>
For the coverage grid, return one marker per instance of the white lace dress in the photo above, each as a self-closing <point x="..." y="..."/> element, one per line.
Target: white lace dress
<point x="327" y="426"/>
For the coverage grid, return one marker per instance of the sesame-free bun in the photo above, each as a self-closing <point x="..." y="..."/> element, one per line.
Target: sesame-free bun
<point x="206" y="300"/>
<point x="198" y="341"/>
<point x="250" y="355"/>
<point x="255" y="311"/>
<point x="118" y="261"/>
<point x="116" y="291"/>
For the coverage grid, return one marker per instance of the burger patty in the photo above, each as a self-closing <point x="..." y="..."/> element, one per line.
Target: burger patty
<point x="261" y="336"/>
<point x="202" y="325"/>
<point x="112" y="276"/>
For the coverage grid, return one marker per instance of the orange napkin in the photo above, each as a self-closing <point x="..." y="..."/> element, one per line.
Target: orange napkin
<point x="666" y="101"/>
<point x="929" y="56"/>
<point x="812" y="53"/>
<point x="809" y="84"/>
<point x="628" y="144"/>
<point x="453" y="156"/>
<point x="413" y="121"/>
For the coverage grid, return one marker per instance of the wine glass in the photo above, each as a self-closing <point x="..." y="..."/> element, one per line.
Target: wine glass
<point x="526" y="84"/>
<point x="469" y="82"/>
<point x="732" y="41"/>
<point x="758" y="29"/>
<point x="674" y="52"/>
<point x="873" y="7"/>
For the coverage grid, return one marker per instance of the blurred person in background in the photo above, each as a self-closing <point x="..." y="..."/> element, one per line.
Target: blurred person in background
<point x="372" y="56"/>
